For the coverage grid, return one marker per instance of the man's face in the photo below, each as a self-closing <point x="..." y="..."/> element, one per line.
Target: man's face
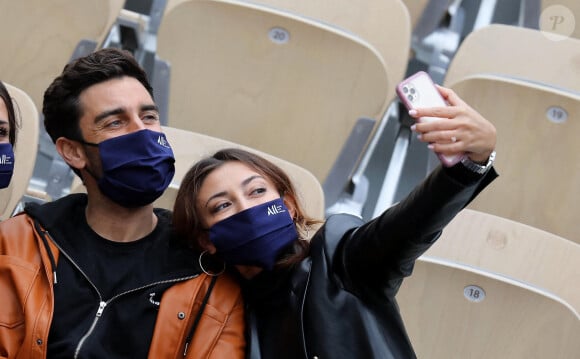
<point x="113" y="108"/>
<point x="116" y="107"/>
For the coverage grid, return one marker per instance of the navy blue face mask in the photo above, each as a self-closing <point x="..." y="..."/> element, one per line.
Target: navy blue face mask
<point x="255" y="236"/>
<point x="6" y="164"/>
<point x="137" y="167"/>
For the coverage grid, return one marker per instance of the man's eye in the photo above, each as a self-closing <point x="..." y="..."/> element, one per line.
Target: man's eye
<point x="151" y="117"/>
<point x="114" y="123"/>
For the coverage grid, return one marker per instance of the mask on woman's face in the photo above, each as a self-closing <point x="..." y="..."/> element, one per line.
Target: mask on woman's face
<point x="255" y="236"/>
<point x="6" y="164"/>
<point x="137" y="167"/>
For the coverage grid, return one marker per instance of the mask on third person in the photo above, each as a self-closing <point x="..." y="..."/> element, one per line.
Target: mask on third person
<point x="6" y="164"/>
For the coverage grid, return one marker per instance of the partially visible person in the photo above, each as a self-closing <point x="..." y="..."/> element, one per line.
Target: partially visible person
<point x="102" y="274"/>
<point x="8" y="128"/>
<point x="333" y="296"/>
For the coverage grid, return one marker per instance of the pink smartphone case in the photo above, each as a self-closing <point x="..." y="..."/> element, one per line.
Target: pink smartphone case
<point x="419" y="91"/>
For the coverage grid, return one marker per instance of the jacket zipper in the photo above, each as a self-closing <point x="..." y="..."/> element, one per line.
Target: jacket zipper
<point x="102" y="303"/>
<point x="302" y="314"/>
<point x="102" y="306"/>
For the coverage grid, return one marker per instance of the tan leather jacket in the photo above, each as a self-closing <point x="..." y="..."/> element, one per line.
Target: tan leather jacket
<point x="26" y="305"/>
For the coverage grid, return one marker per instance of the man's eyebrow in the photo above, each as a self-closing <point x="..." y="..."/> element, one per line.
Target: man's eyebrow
<point x="149" y="108"/>
<point x="106" y="114"/>
<point x="120" y="110"/>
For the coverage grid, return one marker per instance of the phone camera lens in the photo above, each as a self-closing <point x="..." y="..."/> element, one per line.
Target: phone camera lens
<point x="412" y="91"/>
<point x="405" y="89"/>
<point x="410" y="97"/>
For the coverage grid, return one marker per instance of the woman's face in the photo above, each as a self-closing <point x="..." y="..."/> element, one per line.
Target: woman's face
<point x="232" y="188"/>
<point x="4" y="124"/>
<point x="229" y="189"/>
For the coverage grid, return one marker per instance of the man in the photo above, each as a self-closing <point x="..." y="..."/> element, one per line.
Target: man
<point x="101" y="275"/>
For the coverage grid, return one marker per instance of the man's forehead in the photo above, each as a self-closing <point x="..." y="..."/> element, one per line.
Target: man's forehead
<point x="124" y="93"/>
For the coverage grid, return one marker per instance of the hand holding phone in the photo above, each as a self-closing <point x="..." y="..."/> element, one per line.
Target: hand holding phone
<point x="419" y="91"/>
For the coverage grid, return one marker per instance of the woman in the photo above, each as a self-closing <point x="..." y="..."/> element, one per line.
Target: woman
<point x="332" y="297"/>
<point x="7" y="136"/>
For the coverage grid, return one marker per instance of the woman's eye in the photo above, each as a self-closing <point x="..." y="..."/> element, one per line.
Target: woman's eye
<point x="258" y="191"/>
<point x="3" y="132"/>
<point x="221" y="207"/>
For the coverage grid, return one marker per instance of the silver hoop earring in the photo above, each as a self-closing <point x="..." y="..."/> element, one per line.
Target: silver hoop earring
<point x="207" y="272"/>
<point x="307" y="228"/>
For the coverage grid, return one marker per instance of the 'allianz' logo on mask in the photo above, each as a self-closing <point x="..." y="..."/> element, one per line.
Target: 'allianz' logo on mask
<point x="5" y="160"/>
<point x="275" y="209"/>
<point x="162" y="141"/>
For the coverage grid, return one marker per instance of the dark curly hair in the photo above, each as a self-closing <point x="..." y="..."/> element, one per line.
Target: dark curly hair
<point x="61" y="107"/>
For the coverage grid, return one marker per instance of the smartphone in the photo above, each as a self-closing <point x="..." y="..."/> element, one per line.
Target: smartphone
<point x="418" y="91"/>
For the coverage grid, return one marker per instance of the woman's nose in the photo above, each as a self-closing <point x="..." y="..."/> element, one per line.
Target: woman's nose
<point x="243" y="204"/>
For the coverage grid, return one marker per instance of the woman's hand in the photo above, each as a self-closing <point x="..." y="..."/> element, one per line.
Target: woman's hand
<point x="461" y="129"/>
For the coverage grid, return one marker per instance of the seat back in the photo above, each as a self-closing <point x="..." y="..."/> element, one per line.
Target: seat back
<point x="515" y="51"/>
<point x="24" y="151"/>
<point x="513" y="250"/>
<point x="43" y="36"/>
<point x="190" y="147"/>
<point x="284" y="85"/>
<point x="384" y="24"/>
<point x="537" y="135"/>
<point x="456" y="311"/>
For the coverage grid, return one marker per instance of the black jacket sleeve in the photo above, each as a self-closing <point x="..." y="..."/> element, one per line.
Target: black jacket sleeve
<point x="379" y="254"/>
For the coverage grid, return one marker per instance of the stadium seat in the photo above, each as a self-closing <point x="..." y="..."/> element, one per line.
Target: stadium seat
<point x="513" y="250"/>
<point x="24" y="151"/>
<point x="189" y="147"/>
<point x="384" y="24"/>
<point x="538" y="165"/>
<point x="41" y="37"/>
<point x="279" y="83"/>
<point x="514" y="51"/>
<point x="457" y="311"/>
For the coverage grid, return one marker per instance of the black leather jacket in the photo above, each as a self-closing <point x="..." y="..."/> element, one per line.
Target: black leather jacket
<point x="340" y="301"/>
